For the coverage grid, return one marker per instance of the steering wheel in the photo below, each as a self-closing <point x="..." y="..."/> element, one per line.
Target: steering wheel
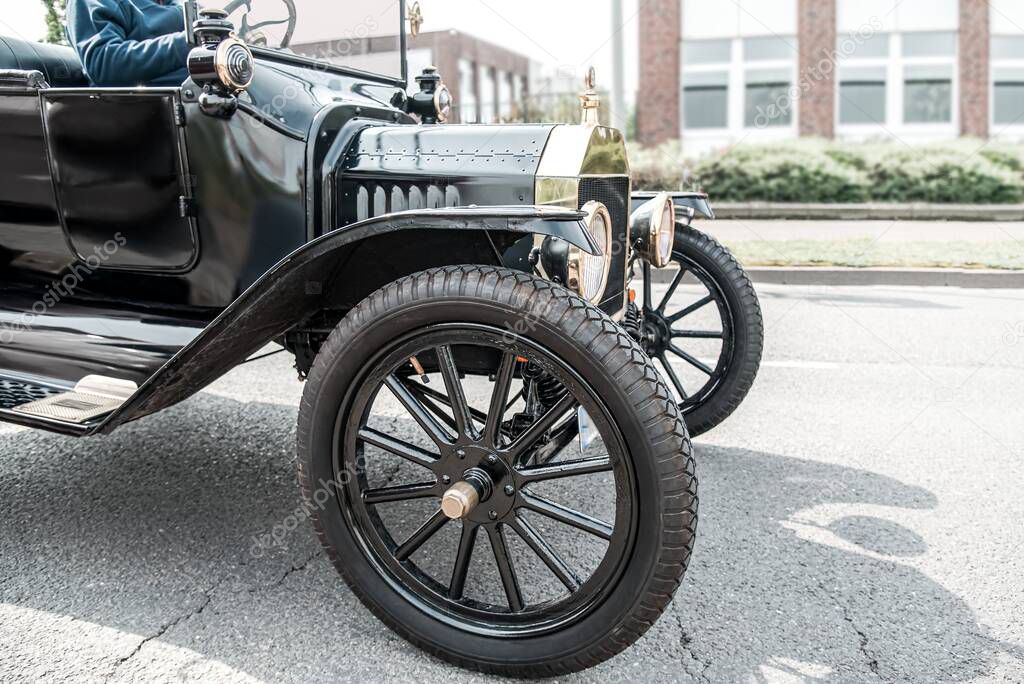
<point x="253" y="34"/>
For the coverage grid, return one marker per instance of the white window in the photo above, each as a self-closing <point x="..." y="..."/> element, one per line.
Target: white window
<point x="707" y="52"/>
<point x="768" y="98"/>
<point x="488" y="93"/>
<point x="706" y="100"/>
<point x="467" y="103"/>
<point x="739" y="69"/>
<point x="518" y="109"/>
<point x="862" y="95"/>
<point x="1007" y="64"/>
<point x="927" y="94"/>
<point x="504" y="96"/>
<point x="897" y="68"/>
<point x="1008" y="99"/>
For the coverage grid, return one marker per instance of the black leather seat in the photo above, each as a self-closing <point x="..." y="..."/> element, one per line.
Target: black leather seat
<point x="60" y="65"/>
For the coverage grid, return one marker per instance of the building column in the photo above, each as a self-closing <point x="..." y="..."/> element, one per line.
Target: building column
<point x="975" y="45"/>
<point x="657" y="107"/>
<point x="476" y="92"/>
<point x="816" y="41"/>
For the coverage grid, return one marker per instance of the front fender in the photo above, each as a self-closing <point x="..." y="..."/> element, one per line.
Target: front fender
<point x="319" y="275"/>
<point x="698" y="201"/>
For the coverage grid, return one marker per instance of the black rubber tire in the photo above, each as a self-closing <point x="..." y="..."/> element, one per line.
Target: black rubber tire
<point x="611" y="362"/>
<point x="748" y="328"/>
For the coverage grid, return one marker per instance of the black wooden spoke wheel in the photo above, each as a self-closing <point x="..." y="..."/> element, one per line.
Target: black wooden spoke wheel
<point x="705" y="331"/>
<point x="439" y="456"/>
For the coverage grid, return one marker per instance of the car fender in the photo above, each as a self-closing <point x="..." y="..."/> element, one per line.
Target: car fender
<point x="314" y="276"/>
<point x="698" y="201"/>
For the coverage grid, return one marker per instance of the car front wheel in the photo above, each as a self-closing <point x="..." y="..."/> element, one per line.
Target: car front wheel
<point x="497" y="471"/>
<point x="705" y="330"/>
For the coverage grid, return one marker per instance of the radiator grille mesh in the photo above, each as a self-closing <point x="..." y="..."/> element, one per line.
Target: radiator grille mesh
<point x="613" y="193"/>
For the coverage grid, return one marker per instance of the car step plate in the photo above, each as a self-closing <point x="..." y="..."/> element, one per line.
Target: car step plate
<point x="92" y="396"/>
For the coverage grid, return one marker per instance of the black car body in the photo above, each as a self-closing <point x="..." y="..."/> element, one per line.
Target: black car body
<point x="152" y="239"/>
<point x="133" y="204"/>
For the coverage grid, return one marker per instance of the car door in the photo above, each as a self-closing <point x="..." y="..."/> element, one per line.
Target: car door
<point x="120" y="177"/>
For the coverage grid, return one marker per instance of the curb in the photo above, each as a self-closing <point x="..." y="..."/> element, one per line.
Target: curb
<point x="867" y="212"/>
<point x="915" y="277"/>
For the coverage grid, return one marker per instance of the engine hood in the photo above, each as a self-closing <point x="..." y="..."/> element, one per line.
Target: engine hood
<point x="397" y="167"/>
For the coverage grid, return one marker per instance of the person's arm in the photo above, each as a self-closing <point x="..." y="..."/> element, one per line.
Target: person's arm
<point x="98" y="31"/>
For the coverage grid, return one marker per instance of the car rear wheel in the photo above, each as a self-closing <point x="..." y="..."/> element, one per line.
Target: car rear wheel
<point x="497" y="471"/>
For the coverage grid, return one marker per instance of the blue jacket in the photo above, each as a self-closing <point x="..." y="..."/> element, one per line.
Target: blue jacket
<point x="129" y="42"/>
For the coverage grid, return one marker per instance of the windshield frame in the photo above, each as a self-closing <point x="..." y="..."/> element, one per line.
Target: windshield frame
<point x="278" y="55"/>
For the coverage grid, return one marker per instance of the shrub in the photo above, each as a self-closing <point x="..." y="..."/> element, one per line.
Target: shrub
<point x="781" y="174"/>
<point x="944" y="177"/>
<point x="961" y="171"/>
<point x="662" y="167"/>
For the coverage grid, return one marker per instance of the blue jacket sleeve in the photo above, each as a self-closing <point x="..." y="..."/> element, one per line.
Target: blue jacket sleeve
<point x="98" y="30"/>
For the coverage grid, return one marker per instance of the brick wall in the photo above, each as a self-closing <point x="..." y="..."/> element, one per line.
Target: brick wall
<point x="974" y="68"/>
<point x="816" y="40"/>
<point x="660" y="63"/>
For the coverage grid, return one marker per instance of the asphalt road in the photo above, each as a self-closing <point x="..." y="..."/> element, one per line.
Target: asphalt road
<point x="861" y="519"/>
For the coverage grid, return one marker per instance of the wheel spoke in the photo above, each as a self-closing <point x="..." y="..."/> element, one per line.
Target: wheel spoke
<point x="556" y="511"/>
<point x="456" y="395"/>
<point x="420" y="536"/>
<point x="537" y="430"/>
<point x="690" y="359"/>
<point x="428" y="402"/>
<point x="690" y="309"/>
<point x="698" y="334"/>
<point x="509" y="580"/>
<point x="499" y="398"/>
<point x="409" y="452"/>
<point x="421" y="490"/>
<point x="548" y="555"/>
<point x="586" y="466"/>
<point x="671" y="289"/>
<point x="671" y="373"/>
<point x="467" y="543"/>
<point x="424" y="392"/>
<point x="420" y="413"/>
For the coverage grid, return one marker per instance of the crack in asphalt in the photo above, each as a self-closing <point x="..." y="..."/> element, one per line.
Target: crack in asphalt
<point x="684" y="642"/>
<point x="862" y="646"/>
<point x="291" y="571"/>
<point x="871" y="660"/>
<point x="207" y="599"/>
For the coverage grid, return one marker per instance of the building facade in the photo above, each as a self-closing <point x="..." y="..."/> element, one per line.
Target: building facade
<point x="489" y="83"/>
<point x="716" y="73"/>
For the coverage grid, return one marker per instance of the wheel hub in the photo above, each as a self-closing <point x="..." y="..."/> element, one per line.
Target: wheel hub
<point x="657" y="333"/>
<point x="483" y="489"/>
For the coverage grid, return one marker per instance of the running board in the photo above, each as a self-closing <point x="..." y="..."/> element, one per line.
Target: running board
<point x="91" y="397"/>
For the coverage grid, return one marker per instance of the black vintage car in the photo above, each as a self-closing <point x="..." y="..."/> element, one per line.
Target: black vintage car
<point x="458" y="298"/>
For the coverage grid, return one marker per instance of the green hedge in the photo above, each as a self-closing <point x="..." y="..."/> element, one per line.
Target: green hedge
<point x="963" y="171"/>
